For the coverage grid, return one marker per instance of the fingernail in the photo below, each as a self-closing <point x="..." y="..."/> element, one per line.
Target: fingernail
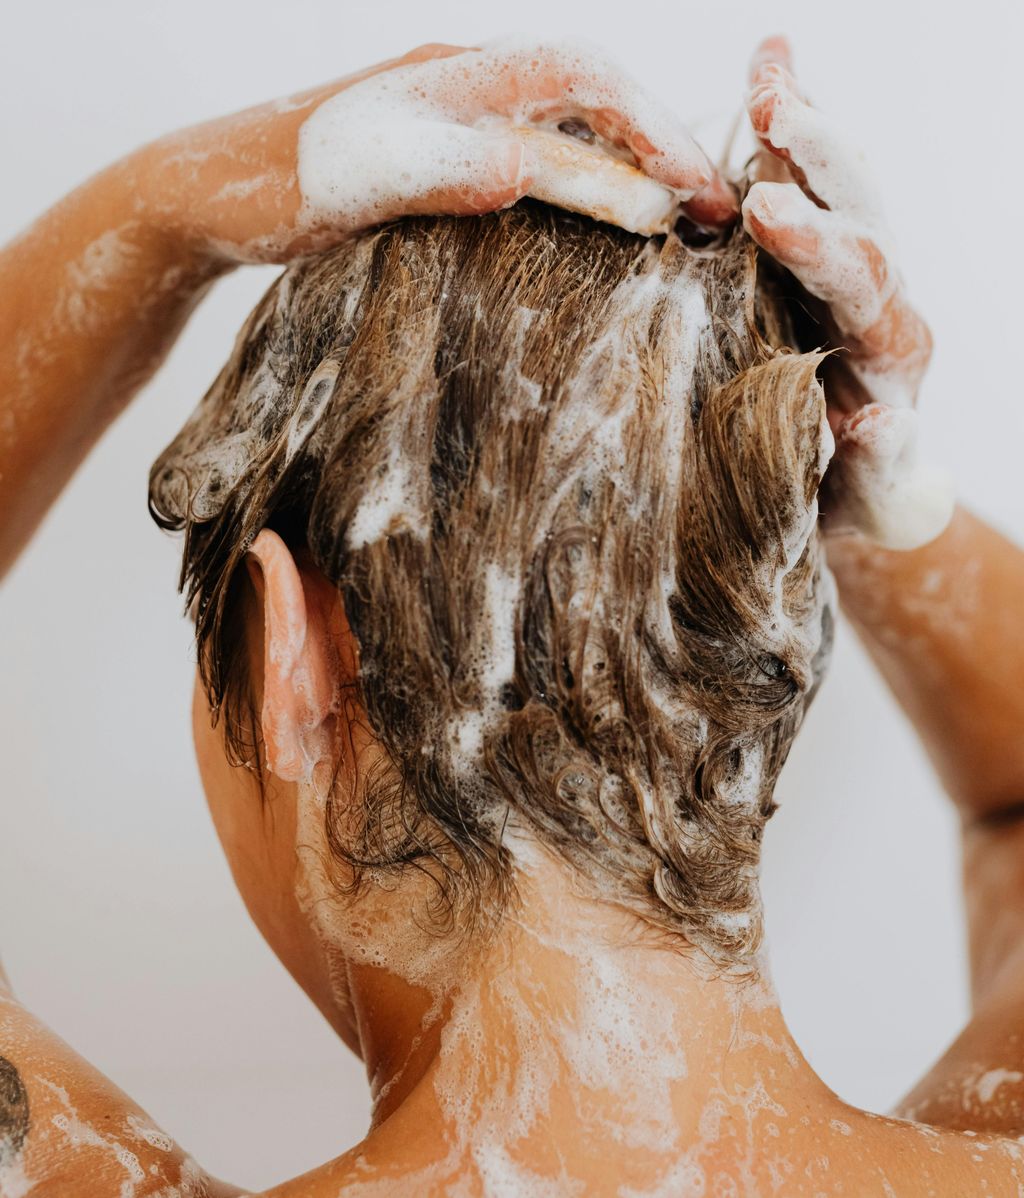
<point x="517" y="162"/>
<point x="715" y="203"/>
<point x="758" y="198"/>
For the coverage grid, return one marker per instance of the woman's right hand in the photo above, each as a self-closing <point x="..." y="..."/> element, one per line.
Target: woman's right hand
<point x="814" y="209"/>
<point x="431" y="132"/>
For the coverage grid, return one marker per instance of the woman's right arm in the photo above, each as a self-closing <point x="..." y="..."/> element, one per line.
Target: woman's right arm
<point x="943" y="625"/>
<point x="98" y="288"/>
<point x="942" y="621"/>
<point x="96" y="291"/>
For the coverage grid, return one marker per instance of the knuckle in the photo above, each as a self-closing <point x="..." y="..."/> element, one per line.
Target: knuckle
<point x="761" y="106"/>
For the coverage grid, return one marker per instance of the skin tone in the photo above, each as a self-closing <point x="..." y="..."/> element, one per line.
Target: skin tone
<point x="100" y="286"/>
<point x="815" y="210"/>
<point x="565" y="1046"/>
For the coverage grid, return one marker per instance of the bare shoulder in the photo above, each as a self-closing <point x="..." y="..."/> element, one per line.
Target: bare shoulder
<point x="898" y="1159"/>
<point x="409" y="1153"/>
<point x="802" y="1157"/>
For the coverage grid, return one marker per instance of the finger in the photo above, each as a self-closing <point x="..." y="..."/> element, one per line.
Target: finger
<point x="409" y="166"/>
<point x="553" y="81"/>
<point x="773" y="163"/>
<point x="771" y="52"/>
<point x="471" y="173"/>
<point x="659" y="141"/>
<point x="823" y="250"/>
<point x="582" y="178"/>
<point x="829" y="168"/>
<point x="715" y="204"/>
<point x="775" y="49"/>
<point x="876" y="484"/>
<point x="841" y="264"/>
<point x="766" y="167"/>
<point x="579" y="177"/>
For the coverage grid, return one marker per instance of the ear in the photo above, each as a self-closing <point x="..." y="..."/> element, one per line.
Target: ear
<point x="300" y="667"/>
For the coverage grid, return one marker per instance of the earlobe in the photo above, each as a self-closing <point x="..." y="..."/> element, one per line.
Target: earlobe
<point x="299" y="685"/>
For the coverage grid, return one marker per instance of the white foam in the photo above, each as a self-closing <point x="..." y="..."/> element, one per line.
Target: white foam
<point x="836" y="169"/>
<point x="502" y="596"/>
<point x="844" y="255"/>
<point x="99" y="264"/>
<point x="78" y="1132"/>
<point x="987" y="1085"/>
<point x="883" y="489"/>
<point x="316" y="395"/>
<point x="389" y="505"/>
<point x="453" y="127"/>
<point x="744" y="790"/>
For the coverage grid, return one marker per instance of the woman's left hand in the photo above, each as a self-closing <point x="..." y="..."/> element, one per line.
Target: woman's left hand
<point x="814" y="209"/>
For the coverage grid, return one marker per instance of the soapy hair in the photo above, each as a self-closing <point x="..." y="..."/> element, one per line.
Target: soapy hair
<point x="564" y="478"/>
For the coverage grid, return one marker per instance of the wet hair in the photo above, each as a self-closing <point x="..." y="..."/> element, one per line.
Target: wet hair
<point x="564" y="479"/>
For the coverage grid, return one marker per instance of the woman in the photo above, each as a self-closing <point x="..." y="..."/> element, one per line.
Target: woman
<point x="512" y="693"/>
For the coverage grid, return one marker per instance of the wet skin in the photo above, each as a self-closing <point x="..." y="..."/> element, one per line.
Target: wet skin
<point x="570" y="1048"/>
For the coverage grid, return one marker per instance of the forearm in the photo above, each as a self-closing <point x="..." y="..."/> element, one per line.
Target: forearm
<point x="66" y="1130"/>
<point x="92" y="297"/>
<point x="943" y="624"/>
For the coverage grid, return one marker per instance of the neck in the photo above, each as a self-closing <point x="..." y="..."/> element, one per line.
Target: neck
<point x="576" y="1027"/>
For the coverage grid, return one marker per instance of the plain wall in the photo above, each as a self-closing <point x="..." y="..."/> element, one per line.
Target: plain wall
<point x="119" y="923"/>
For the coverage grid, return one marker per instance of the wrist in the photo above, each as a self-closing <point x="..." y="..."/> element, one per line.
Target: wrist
<point x="154" y="181"/>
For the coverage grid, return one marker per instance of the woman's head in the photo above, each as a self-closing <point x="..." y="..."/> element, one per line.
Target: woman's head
<point x="563" y="479"/>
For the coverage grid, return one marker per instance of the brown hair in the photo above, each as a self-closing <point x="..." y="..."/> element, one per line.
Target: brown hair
<point x="564" y="478"/>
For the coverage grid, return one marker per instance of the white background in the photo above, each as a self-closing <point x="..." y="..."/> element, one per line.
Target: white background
<point x="118" y="920"/>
